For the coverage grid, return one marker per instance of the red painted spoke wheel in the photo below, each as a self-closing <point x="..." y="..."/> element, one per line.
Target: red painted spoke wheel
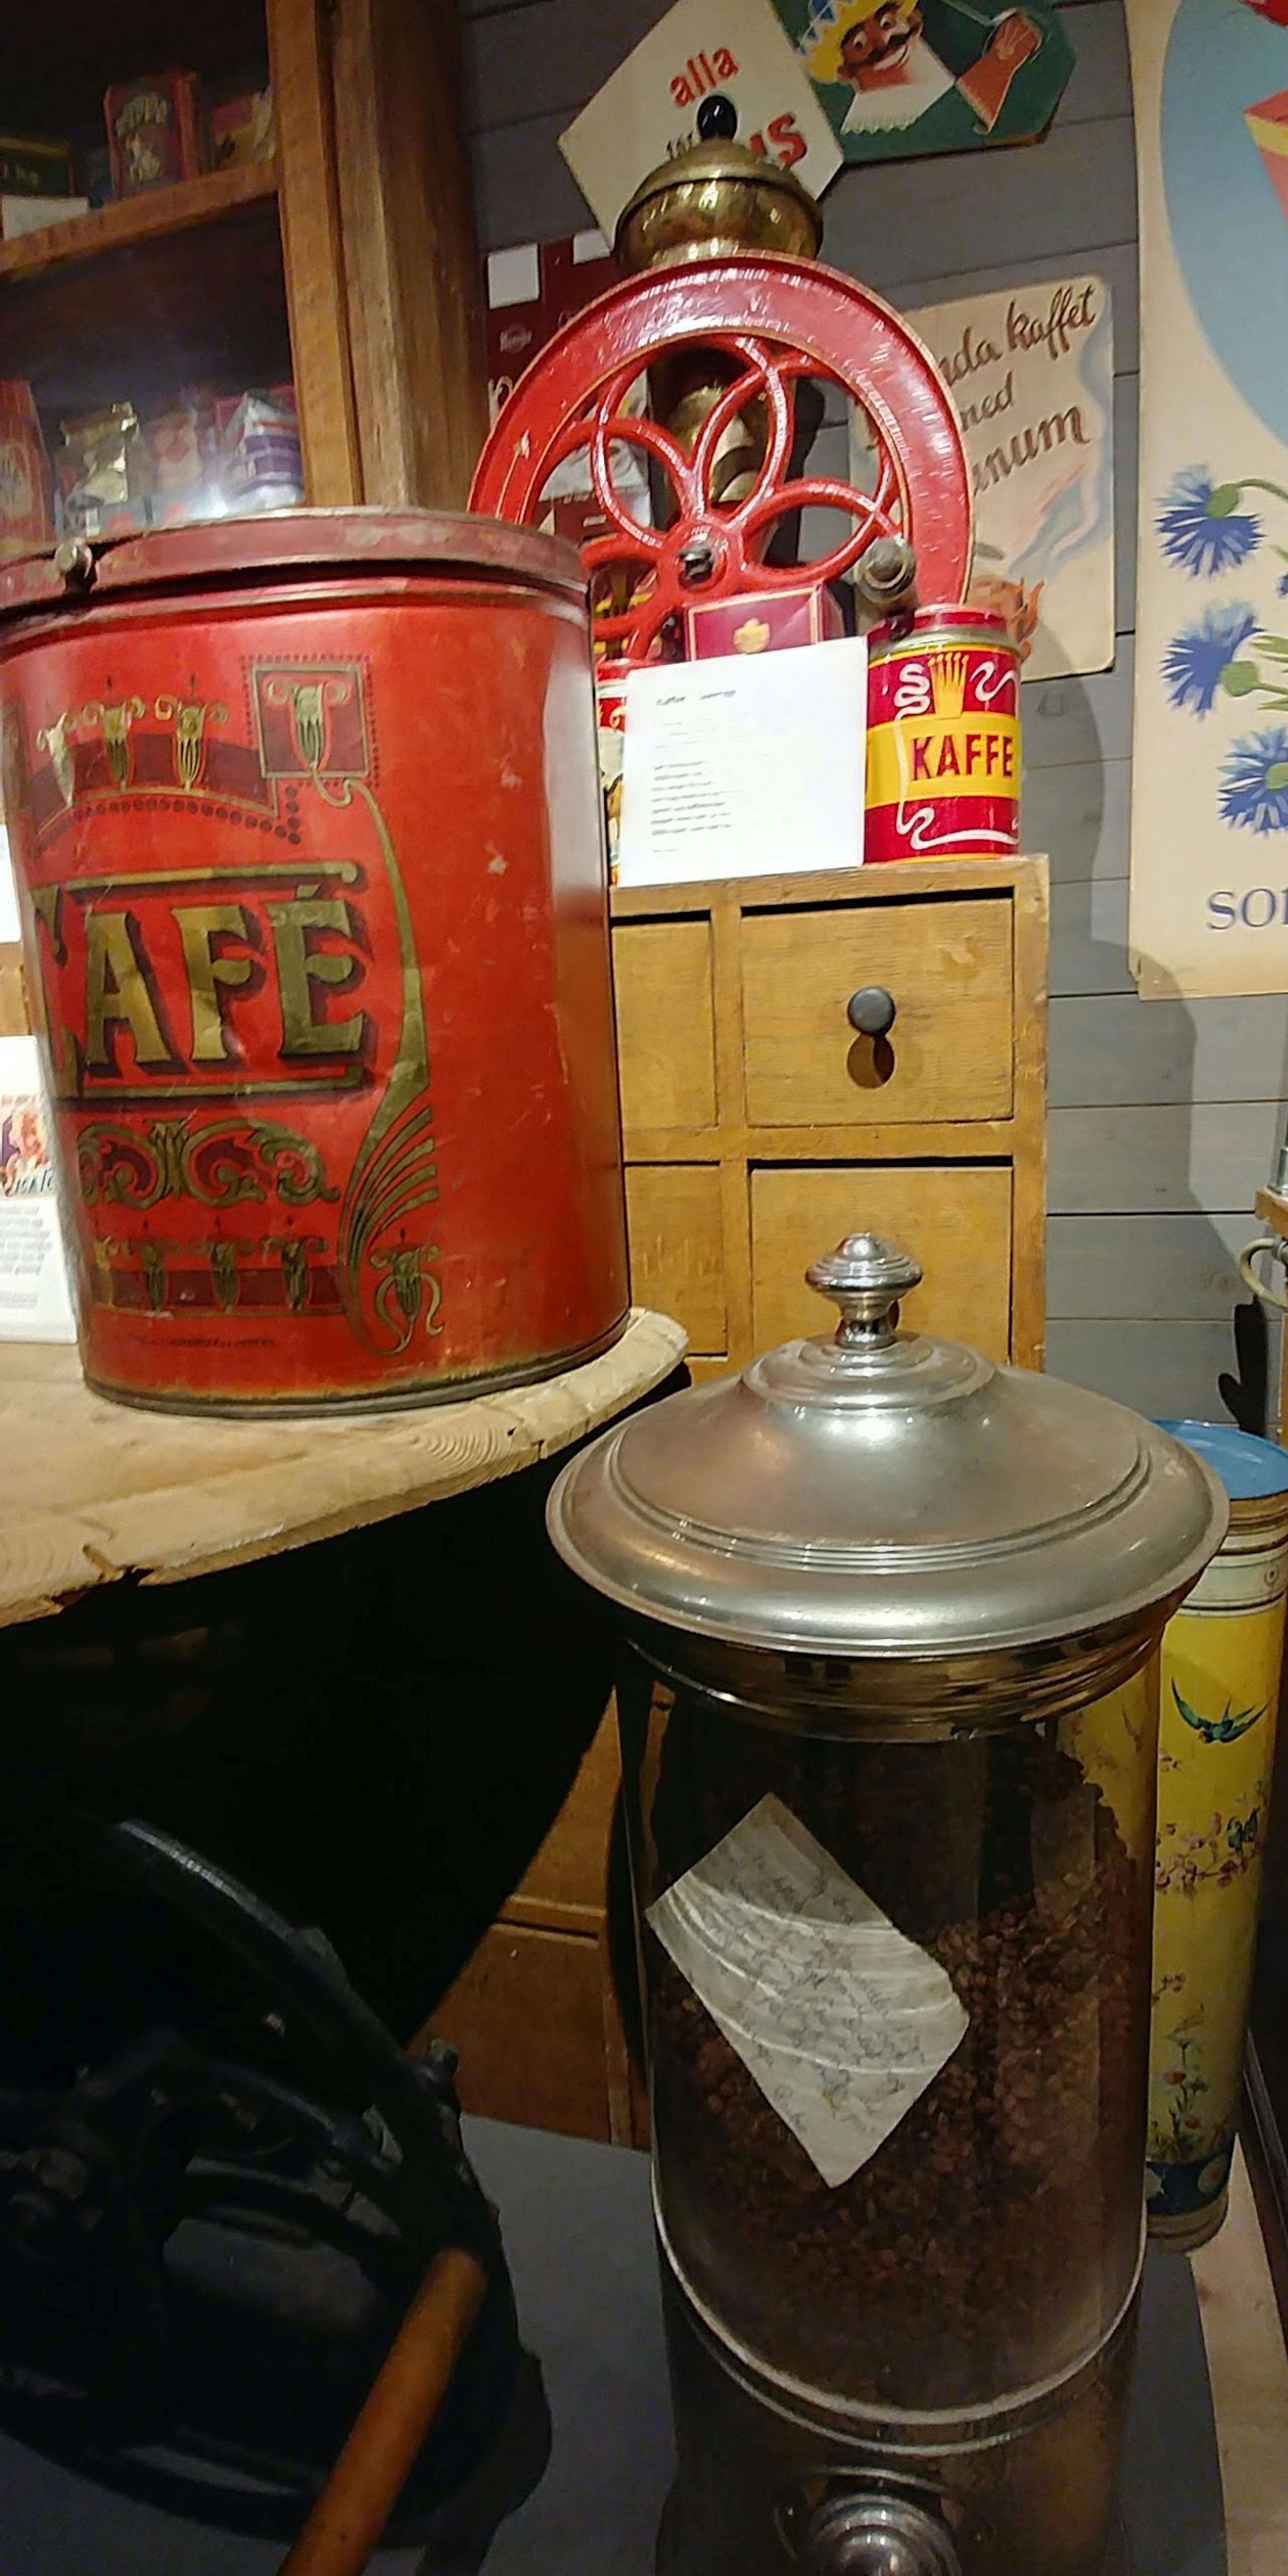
<point x="779" y="323"/>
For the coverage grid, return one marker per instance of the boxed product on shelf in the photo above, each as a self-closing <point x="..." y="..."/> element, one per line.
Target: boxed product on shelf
<point x="103" y="473"/>
<point x="31" y="168"/>
<point x="259" y="463"/>
<point x="180" y="440"/>
<point x="153" y="131"/>
<point x="240" y="130"/>
<point x="763" y="622"/>
<point x="95" y="174"/>
<point x="26" y="514"/>
<point x="20" y="215"/>
<point x="195" y="454"/>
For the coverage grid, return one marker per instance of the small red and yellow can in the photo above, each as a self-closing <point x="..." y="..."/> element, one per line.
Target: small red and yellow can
<point x="943" y="738"/>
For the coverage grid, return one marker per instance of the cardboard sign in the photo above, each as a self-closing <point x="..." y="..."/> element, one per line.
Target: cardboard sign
<point x="648" y="111"/>
<point x="903" y="76"/>
<point x="1031" y="370"/>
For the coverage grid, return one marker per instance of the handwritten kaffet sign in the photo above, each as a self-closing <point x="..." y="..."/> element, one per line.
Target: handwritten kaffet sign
<point x="1031" y="372"/>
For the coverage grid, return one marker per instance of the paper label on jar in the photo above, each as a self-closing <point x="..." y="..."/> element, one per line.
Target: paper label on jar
<point x="841" y="2020"/>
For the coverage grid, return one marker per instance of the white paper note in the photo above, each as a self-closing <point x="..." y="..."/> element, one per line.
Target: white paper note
<point x="35" y="1299"/>
<point x="745" y="766"/>
<point x="841" y="2020"/>
<point x="648" y="111"/>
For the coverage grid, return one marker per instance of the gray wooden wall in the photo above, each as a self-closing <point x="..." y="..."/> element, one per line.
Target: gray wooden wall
<point x="1164" y="1117"/>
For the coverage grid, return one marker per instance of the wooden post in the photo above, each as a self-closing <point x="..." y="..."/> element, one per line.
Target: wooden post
<point x="411" y="259"/>
<point x="312" y="251"/>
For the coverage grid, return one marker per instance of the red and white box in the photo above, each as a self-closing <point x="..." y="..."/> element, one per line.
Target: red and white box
<point x="153" y="131"/>
<point x="26" y="494"/>
<point x="773" y="621"/>
<point x="532" y="290"/>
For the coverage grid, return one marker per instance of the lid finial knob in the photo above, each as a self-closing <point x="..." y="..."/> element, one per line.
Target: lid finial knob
<point x="866" y="1278"/>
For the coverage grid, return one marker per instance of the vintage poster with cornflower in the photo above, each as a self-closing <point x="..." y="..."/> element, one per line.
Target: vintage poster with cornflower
<point x="1209" y="903"/>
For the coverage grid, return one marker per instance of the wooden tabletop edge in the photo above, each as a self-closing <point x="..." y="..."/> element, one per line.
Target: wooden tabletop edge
<point x="266" y="1494"/>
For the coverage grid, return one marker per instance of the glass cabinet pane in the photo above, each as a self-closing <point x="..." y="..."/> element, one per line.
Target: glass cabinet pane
<point x="144" y="344"/>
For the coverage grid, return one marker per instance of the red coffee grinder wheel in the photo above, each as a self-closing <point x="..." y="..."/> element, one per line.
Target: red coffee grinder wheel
<point x="782" y="321"/>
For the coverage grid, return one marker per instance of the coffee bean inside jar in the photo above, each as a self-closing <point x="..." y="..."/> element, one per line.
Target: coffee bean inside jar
<point x="994" y="2235"/>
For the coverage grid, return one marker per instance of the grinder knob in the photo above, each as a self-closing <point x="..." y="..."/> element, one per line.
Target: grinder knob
<point x="877" y="2536"/>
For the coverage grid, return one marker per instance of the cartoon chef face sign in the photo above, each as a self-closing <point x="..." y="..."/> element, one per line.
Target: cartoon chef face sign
<point x="893" y="72"/>
<point x="876" y="49"/>
<point x="891" y="54"/>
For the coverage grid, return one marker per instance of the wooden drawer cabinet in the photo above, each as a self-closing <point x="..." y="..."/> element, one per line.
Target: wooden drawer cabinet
<point x="760" y="1128"/>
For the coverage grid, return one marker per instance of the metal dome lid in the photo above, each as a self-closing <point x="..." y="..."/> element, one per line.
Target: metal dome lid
<point x="715" y="198"/>
<point x="879" y="1494"/>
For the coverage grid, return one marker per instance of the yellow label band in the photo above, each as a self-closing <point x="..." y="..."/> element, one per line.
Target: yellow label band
<point x="942" y="756"/>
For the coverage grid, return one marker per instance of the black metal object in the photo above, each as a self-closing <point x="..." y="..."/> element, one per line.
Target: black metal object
<point x="872" y="1011"/>
<point x="207" y="2240"/>
<point x="379" y="1731"/>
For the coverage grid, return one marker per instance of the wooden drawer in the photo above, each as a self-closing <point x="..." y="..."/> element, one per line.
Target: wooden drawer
<point x="529" y="2016"/>
<point x="956" y="1218"/>
<point x="665" y="1023"/>
<point x="948" y="1056"/>
<point x="677" y="1248"/>
<point x="566" y="1880"/>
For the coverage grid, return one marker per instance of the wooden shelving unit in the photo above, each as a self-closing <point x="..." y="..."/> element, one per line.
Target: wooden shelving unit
<point x="151" y="294"/>
<point x="347" y="265"/>
<point x="155" y="214"/>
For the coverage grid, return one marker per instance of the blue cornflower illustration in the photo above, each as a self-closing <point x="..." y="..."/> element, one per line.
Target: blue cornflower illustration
<point x="1195" y="659"/>
<point x="1283" y="585"/>
<point x="1254" y="782"/>
<point x="1199" y="527"/>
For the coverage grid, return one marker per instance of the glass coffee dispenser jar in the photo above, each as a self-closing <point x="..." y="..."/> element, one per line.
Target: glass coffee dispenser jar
<point x="888" y="1705"/>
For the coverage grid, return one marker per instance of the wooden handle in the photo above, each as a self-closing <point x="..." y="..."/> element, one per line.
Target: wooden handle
<point x="368" y="2478"/>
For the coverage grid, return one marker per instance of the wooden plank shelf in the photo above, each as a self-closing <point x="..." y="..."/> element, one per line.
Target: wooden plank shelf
<point x="154" y="214"/>
<point x="91" y="1492"/>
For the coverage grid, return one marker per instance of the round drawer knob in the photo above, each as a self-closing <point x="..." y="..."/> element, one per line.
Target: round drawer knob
<point x="871" y="1010"/>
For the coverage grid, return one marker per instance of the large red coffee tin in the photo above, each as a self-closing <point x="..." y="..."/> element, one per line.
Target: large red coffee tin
<point x="306" y="817"/>
<point x="943" y="779"/>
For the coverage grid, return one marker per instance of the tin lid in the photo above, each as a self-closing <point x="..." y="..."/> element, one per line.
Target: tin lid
<point x="879" y="1494"/>
<point x="714" y="198"/>
<point x="960" y="619"/>
<point x="289" y="541"/>
<point x="1254" y="1472"/>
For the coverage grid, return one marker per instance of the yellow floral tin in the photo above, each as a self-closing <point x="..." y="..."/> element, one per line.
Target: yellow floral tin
<point x="1222" y="1655"/>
